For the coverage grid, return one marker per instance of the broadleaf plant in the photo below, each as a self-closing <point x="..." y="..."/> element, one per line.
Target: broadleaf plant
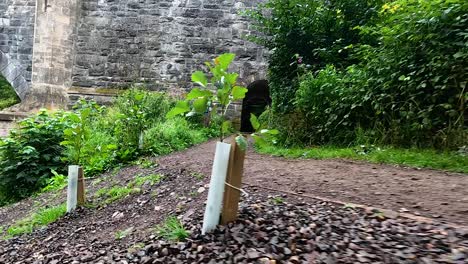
<point x="214" y="98"/>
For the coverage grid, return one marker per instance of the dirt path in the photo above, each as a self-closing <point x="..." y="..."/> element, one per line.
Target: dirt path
<point x="429" y="193"/>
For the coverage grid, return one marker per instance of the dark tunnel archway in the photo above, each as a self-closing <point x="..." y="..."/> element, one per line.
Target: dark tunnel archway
<point x="255" y="102"/>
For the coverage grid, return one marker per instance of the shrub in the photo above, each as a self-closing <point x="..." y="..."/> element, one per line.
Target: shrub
<point x="172" y="135"/>
<point x="88" y="142"/>
<point x="92" y="136"/>
<point x="29" y="153"/>
<point x="308" y="33"/>
<point x="333" y="105"/>
<point x="418" y="75"/>
<point x="407" y="89"/>
<point x="137" y="110"/>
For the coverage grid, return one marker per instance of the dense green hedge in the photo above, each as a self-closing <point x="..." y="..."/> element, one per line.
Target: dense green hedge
<point x="402" y="80"/>
<point x="305" y="35"/>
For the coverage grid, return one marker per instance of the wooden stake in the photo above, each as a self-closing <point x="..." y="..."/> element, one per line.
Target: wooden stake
<point x="234" y="179"/>
<point x="81" y="188"/>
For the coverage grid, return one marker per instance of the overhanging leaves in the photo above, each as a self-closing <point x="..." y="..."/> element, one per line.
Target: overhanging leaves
<point x="180" y="108"/>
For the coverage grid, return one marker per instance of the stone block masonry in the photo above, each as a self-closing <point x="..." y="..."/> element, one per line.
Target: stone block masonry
<point x="160" y="43"/>
<point x="94" y="44"/>
<point x="53" y="54"/>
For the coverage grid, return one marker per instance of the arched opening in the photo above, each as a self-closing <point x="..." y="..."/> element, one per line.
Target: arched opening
<point x="8" y="96"/>
<point x="255" y="102"/>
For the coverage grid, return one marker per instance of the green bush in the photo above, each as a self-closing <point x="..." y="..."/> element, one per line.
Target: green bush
<point x="333" y="105"/>
<point x="417" y="77"/>
<point x="407" y="89"/>
<point x="29" y="153"/>
<point x="92" y="136"/>
<point x="172" y="135"/>
<point x="308" y="35"/>
<point x="137" y="110"/>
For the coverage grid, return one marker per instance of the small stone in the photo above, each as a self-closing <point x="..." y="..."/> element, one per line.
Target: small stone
<point x="201" y="189"/>
<point x="294" y="260"/>
<point x="253" y="254"/>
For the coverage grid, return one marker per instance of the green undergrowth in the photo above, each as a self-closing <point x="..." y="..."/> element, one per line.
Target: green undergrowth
<point x="38" y="219"/>
<point x="111" y="194"/>
<point x="420" y="158"/>
<point x="34" y="156"/>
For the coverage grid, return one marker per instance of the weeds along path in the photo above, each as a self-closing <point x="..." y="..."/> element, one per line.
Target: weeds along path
<point x="429" y="193"/>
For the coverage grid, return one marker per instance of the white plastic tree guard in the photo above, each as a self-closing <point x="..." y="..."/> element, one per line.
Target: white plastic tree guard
<point x="72" y="191"/>
<point x="216" y="191"/>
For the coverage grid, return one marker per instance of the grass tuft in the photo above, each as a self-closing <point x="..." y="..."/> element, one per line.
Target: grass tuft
<point x="150" y="179"/>
<point x="115" y="193"/>
<point x="41" y="218"/>
<point x="172" y="229"/>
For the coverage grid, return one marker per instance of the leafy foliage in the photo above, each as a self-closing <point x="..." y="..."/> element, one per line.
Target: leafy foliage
<point x="308" y="35"/>
<point x="417" y="77"/>
<point x="201" y="101"/>
<point x="78" y="133"/>
<point x="57" y="182"/>
<point x="137" y="110"/>
<point x="173" y="135"/>
<point x="34" y="156"/>
<point x="29" y="153"/>
<point x="402" y="80"/>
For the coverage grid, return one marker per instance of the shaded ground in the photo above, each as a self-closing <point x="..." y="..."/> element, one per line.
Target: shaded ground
<point x="429" y="193"/>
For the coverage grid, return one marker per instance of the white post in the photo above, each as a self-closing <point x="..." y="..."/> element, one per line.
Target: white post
<point x="72" y="190"/>
<point x="216" y="191"/>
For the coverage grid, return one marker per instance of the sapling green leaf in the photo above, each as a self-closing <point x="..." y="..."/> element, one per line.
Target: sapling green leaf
<point x="200" y="105"/>
<point x="269" y="131"/>
<point x="226" y="126"/>
<point x="239" y="92"/>
<point x="197" y="93"/>
<point x="180" y="108"/>
<point x="254" y="122"/>
<point x="199" y="78"/>
<point x="217" y="103"/>
<point x="224" y="60"/>
<point x="232" y="78"/>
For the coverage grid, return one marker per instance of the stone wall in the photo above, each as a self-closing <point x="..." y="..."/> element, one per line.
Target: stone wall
<point x="160" y="42"/>
<point x="16" y="42"/>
